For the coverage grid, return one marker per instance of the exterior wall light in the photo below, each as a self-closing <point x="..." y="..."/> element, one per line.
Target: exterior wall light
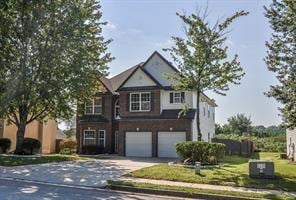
<point x="171" y="129"/>
<point x="138" y="129"/>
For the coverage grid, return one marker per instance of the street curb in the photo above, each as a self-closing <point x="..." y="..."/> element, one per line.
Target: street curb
<point x="99" y="189"/>
<point x="175" y="193"/>
<point x="54" y="184"/>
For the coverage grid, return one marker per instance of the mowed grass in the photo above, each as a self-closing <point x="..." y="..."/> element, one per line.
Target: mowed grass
<point x="233" y="173"/>
<point x="9" y="161"/>
<point x="195" y="192"/>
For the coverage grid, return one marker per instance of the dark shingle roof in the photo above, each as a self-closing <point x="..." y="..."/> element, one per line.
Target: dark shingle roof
<point x="174" y="114"/>
<point x="106" y="82"/>
<point x="115" y="82"/>
<point x="92" y="118"/>
<point x="166" y="114"/>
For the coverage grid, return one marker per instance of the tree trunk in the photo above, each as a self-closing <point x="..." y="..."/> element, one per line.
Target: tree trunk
<point x="21" y="128"/>
<point x="199" y="135"/>
<point x="20" y="135"/>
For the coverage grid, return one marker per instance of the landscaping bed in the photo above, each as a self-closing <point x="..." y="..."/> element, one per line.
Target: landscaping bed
<point x="234" y="172"/>
<point x="6" y="160"/>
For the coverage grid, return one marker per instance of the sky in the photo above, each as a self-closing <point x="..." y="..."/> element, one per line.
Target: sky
<point x="139" y="27"/>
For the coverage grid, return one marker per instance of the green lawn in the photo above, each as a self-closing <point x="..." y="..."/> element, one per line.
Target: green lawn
<point x="16" y="161"/>
<point x="191" y="192"/>
<point x="233" y="173"/>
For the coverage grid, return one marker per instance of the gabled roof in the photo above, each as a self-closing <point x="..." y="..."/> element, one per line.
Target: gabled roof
<point x="114" y="83"/>
<point x="106" y="82"/>
<point x="117" y="80"/>
<point x="163" y="58"/>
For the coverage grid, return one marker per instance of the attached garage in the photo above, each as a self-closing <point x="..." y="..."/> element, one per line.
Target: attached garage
<point x="167" y="141"/>
<point x="138" y="144"/>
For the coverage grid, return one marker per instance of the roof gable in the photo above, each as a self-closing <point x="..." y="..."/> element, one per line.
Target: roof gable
<point x="139" y="78"/>
<point x="158" y="67"/>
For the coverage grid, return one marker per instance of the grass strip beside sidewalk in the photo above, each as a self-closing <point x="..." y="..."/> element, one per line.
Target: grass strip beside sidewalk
<point x="194" y="192"/>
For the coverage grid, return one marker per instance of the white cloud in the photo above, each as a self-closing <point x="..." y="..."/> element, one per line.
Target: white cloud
<point x="168" y="43"/>
<point x="110" y="26"/>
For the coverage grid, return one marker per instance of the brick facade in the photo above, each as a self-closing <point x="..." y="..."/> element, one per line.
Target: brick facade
<point x="125" y="107"/>
<point x="98" y="122"/>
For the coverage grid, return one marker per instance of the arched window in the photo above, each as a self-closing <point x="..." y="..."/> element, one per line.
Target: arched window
<point x="116" y="109"/>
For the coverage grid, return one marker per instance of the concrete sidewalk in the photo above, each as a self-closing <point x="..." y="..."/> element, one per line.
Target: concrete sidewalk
<point x="207" y="186"/>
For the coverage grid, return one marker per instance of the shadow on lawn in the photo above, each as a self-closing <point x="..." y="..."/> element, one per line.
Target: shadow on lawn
<point x="227" y="177"/>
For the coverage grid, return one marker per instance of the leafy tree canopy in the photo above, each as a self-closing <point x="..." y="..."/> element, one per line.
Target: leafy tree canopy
<point x="202" y="57"/>
<point x="281" y="56"/>
<point x="52" y="55"/>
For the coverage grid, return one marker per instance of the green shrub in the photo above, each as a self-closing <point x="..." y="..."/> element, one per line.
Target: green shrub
<point x="204" y="152"/>
<point x="5" y="145"/>
<point x="68" y="147"/>
<point x="66" y="151"/>
<point x="30" y="146"/>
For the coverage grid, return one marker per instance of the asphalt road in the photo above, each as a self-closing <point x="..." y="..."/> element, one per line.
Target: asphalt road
<point x="19" y="190"/>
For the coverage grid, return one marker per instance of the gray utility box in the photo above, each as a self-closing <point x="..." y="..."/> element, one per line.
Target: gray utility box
<point x="261" y="169"/>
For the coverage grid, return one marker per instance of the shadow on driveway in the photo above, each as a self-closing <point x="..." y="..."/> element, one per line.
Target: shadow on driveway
<point x="92" y="173"/>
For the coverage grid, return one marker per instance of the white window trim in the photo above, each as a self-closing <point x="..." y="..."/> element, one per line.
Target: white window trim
<point x="180" y="98"/>
<point x="140" y="102"/>
<point x="116" y="105"/>
<point x="93" y="107"/>
<point x="84" y="136"/>
<point x="100" y="138"/>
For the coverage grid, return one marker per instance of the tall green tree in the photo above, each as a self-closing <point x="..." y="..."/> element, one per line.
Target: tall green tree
<point x="202" y="58"/>
<point x="52" y="54"/>
<point x="239" y="124"/>
<point x="281" y="56"/>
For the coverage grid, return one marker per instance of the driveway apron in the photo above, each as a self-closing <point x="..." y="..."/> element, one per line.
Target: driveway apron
<point x="91" y="173"/>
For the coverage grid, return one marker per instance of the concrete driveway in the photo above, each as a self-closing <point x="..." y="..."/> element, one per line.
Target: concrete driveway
<point x="93" y="173"/>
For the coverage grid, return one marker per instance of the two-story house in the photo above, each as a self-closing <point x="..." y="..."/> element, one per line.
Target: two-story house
<point x="137" y="113"/>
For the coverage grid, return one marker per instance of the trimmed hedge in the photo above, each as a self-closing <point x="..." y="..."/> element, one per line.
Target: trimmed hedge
<point x="5" y="145"/>
<point x="30" y="146"/>
<point x="68" y="147"/>
<point x="204" y="152"/>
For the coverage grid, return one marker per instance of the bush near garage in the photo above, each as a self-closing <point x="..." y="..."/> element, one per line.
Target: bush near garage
<point x="5" y="145"/>
<point x="204" y="152"/>
<point x="68" y="147"/>
<point x="30" y="146"/>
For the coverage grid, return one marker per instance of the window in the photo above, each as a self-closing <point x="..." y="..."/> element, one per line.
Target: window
<point x="209" y="111"/>
<point x="140" y="101"/>
<point x="116" y="110"/>
<point x="204" y="111"/>
<point x="94" y="107"/>
<point x="89" y="137"/>
<point x="101" y="138"/>
<point x="177" y="97"/>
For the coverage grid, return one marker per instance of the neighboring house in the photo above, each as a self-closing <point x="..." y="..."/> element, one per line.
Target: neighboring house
<point x="137" y="113"/>
<point x="45" y="132"/>
<point x="291" y="144"/>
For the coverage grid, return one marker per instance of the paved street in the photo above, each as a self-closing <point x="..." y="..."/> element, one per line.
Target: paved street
<point x="93" y="173"/>
<point x="16" y="190"/>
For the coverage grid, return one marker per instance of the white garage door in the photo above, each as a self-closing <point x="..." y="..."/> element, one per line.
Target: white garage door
<point x="167" y="141"/>
<point x="138" y="144"/>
